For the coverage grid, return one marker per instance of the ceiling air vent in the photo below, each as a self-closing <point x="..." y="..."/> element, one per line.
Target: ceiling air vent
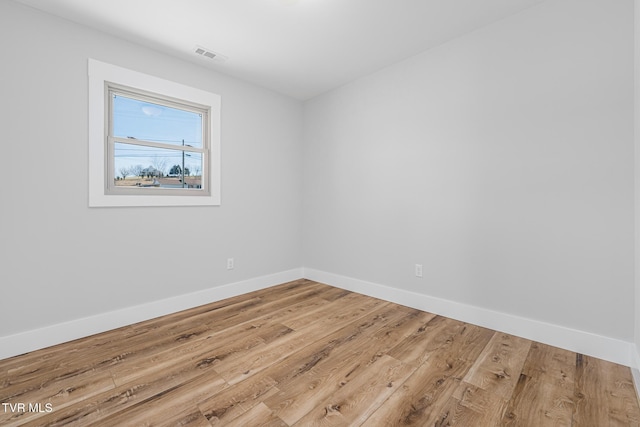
<point x="209" y="54"/>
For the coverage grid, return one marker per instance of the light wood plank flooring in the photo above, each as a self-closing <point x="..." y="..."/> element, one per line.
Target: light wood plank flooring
<point x="307" y="354"/>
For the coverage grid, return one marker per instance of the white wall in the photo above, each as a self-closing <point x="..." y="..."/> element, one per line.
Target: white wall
<point x="636" y="355"/>
<point x="62" y="260"/>
<point x="503" y="161"/>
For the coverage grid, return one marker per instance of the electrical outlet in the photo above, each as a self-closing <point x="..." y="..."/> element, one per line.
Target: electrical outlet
<point x="229" y="263"/>
<point x="418" y="270"/>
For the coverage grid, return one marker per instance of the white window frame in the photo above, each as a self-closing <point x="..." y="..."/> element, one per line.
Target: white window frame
<point x="101" y="75"/>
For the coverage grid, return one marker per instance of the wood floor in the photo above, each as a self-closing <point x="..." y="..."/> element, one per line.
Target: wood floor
<point x="307" y="354"/>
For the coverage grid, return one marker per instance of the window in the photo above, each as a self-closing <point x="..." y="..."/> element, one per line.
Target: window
<point x="156" y="145"/>
<point x="152" y="142"/>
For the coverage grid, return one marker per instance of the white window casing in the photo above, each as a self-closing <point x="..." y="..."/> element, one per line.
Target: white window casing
<point x="106" y="79"/>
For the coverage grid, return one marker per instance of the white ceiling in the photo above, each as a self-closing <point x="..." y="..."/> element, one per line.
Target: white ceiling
<point x="300" y="48"/>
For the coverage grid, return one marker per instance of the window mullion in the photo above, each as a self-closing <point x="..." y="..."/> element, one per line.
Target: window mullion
<point x="145" y="143"/>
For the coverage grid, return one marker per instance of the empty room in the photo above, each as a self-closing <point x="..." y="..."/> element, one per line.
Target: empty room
<point x="320" y="212"/>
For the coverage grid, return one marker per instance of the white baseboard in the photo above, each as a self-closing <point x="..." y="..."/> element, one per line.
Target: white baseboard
<point x="24" y="342"/>
<point x="611" y="349"/>
<point x="614" y="350"/>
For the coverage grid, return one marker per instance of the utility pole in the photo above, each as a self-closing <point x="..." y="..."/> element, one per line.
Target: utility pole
<point x="183" y="164"/>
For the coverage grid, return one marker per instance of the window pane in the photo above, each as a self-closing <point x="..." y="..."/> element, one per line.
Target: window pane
<point x="150" y="167"/>
<point x="137" y="119"/>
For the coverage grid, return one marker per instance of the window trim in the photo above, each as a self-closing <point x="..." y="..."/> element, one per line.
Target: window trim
<point x="103" y="75"/>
